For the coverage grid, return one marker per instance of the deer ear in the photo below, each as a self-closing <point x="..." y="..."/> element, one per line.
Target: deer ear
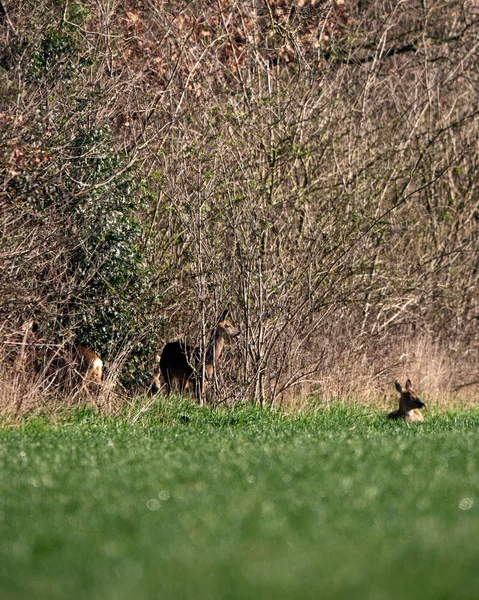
<point x="398" y="386"/>
<point x="224" y="315"/>
<point x="408" y="385"/>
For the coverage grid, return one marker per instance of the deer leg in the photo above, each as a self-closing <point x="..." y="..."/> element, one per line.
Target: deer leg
<point x="200" y="391"/>
<point x="184" y="384"/>
<point x="167" y="379"/>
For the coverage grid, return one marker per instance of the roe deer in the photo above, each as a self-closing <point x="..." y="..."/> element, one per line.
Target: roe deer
<point x="182" y="362"/>
<point x="73" y="367"/>
<point x="90" y="365"/>
<point x="409" y="404"/>
<point x="58" y="363"/>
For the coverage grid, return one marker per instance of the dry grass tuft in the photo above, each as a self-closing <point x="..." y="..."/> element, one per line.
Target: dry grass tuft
<point x="443" y="377"/>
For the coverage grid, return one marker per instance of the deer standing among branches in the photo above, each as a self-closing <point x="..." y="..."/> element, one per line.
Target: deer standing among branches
<point x="65" y="362"/>
<point x="90" y="365"/>
<point x="185" y="364"/>
<point x="409" y="404"/>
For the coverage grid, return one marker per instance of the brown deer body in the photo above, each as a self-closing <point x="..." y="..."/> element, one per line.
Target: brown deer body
<point x="409" y="404"/>
<point x="71" y="367"/>
<point x="65" y="363"/>
<point x="182" y="363"/>
<point x="90" y="365"/>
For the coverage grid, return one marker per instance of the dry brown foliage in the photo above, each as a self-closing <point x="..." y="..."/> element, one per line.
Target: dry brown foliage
<point x="312" y="166"/>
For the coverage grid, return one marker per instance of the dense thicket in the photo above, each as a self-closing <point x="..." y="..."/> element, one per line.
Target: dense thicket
<point x="312" y="166"/>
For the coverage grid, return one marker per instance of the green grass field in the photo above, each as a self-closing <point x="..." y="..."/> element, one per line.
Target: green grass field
<point x="202" y="504"/>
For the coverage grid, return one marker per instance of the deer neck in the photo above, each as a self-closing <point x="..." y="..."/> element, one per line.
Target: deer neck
<point x="215" y="348"/>
<point x="403" y="408"/>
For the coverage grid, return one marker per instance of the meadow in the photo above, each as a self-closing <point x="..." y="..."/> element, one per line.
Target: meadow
<point x="244" y="503"/>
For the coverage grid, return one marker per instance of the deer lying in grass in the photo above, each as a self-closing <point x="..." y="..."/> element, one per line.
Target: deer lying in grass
<point x="183" y="363"/>
<point x="409" y="404"/>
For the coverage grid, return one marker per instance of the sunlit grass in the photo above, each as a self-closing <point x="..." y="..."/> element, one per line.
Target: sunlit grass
<point x="190" y="503"/>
